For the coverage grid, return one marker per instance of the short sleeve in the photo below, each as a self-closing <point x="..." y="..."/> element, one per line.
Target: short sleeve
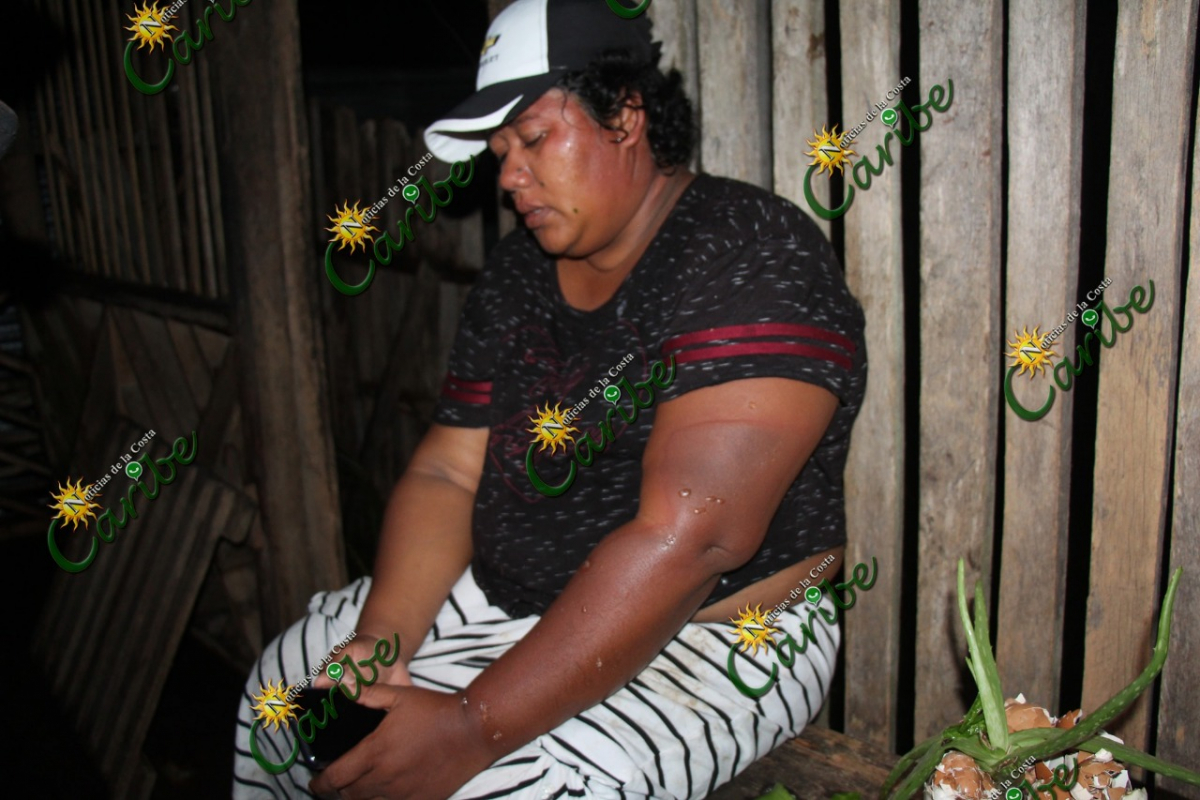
<point x="776" y="308"/>
<point x="466" y="395"/>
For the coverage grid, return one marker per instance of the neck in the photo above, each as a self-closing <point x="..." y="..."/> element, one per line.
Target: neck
<point x="603" y="271"/>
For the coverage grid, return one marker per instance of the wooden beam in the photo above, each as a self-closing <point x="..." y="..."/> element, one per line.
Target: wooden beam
<point x="274" y="283"/>
<point x="874" y="269"/>
<point x="960" y="311"/>
<point x="160" y="302"/>
<point x="1152" y="93"/>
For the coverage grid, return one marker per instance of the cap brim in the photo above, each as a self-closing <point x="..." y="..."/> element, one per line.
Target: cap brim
<point x="464" y="131"/>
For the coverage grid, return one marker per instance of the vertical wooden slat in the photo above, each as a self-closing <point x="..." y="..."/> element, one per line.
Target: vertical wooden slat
<point x="117" y="88"/>
<point x="114" y="214"/>
<point x="960" y="306"/>
<point x="735" y="53"/>
<point x="1045" y="70"/>
<point x="201" y="250"/>
<point x="187" y="274"/>
<point x="75" y="101"/>
<point x="79" y="180"/>
<point x="874" y="269"/>
<point x="1179" y="704"/>
<point x="55" y="180"/>
<point x="138" y="167"/>
<point x="1152" y="92"/>
<point x="674" y="24"/>
<point x="369" y="352"/>
<point x="799" y="101"/>
<point x="216" y="281"/>
<point x="172" y="269"/>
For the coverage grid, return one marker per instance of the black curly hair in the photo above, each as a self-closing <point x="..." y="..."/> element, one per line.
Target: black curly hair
<point x="607" y="84"/>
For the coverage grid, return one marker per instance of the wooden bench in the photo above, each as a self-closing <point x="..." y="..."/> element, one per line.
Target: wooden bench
<point x="814" y="766"/>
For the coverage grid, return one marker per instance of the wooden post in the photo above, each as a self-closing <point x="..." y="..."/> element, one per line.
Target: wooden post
<point x="960" y="335"/>
<point x="275" y="276"/>
<point x="874" y="270"/>
<point x="1045" y="70"/>
<point x="1152" y="93"/>
<point x="735" y="89"/>
<point x="1179" y="705"/>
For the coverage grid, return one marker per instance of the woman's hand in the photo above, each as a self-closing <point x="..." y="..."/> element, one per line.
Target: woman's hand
<point x="425" y="747"/>
<point x="363" y="649"/>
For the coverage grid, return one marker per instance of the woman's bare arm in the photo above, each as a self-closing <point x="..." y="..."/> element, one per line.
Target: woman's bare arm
<point x="425" y="543"/>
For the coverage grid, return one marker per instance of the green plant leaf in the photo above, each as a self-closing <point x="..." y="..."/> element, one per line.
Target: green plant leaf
<point x="1069" y="739"/>
<point x="982" y="664"/>
<point x="778" y="792"/>
<point x="1130" y="755"/>
<point x="905" y="763"/>
<point x="925" y="767"/>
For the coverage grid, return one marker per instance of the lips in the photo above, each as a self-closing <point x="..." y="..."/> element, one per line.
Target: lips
<point x="533" y="215"/>
<point x="536" y="217"/>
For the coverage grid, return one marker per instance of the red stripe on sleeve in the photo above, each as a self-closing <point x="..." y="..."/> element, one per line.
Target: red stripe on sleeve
<point x="759" y="329"/>
<point x="470" y="386"/>
<point x="764" y="348"/>
<point x="467" y="397"/>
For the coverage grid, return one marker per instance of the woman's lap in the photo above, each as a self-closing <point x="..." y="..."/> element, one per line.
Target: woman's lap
<point x="679" y="729"/>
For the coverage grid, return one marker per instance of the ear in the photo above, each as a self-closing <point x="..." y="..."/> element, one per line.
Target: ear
<point x="630" y="122"/>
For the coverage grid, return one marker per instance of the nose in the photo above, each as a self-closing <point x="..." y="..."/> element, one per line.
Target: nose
<point x="514" y="173"/>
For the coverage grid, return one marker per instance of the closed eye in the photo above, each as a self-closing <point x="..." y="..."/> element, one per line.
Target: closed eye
<point x="534" y="141"/>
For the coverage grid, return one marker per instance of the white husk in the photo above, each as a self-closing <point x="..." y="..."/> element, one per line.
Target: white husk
<point x="934" y="791"/>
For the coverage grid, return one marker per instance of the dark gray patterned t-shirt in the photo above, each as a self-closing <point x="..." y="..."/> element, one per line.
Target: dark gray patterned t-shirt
<point x="738" y="283"/>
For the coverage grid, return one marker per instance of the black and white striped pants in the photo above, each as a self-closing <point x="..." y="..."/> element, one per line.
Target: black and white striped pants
<point x="678" y="730"/>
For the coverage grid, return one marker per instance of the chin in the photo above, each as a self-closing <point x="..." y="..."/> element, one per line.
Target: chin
<point x="554" y="242"/>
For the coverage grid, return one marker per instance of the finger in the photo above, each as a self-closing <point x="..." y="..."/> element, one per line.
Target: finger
<point x="380" y="696"/>
<point x="335" y="779"/>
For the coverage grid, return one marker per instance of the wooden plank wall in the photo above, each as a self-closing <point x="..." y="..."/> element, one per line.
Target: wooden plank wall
<point x="131" y="199"/>
<point x="996" y="222"/>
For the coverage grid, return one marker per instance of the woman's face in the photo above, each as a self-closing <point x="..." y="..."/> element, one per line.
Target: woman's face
<point x="570" y="181"/>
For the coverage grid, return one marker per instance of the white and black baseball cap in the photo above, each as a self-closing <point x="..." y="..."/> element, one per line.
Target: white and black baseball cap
<point x="529" y="46"/>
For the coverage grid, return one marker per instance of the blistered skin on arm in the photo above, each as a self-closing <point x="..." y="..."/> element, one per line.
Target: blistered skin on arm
<point x="717" y="473"/>
<point x="741" y="443"/>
